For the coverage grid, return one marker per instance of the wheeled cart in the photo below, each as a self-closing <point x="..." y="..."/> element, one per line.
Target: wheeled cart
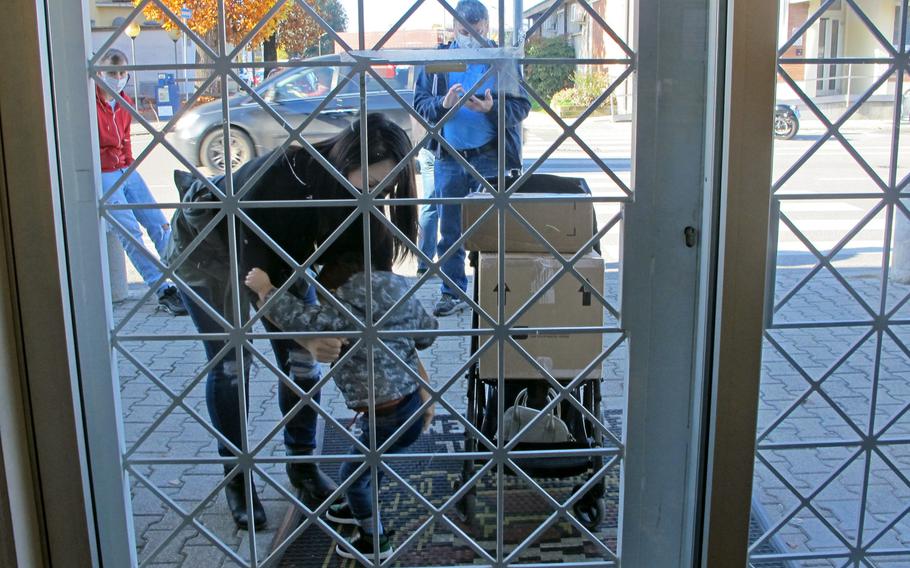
<point x="481" y="413"/>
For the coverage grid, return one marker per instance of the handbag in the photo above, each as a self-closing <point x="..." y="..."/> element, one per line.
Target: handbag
<point x="548" y="430"/>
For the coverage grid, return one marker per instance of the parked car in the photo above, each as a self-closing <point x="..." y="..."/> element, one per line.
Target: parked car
<point x="294" y="94"/>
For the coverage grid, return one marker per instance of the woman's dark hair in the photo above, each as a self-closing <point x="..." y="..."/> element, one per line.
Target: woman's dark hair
<point x="385" y="141"/>
<point x="341" y="269"/>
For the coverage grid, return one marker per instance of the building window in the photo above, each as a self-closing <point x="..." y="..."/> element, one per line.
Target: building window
<point x="578" y="13"/>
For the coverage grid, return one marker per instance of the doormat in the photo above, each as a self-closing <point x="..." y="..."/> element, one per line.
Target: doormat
<point x="436" y="480"/>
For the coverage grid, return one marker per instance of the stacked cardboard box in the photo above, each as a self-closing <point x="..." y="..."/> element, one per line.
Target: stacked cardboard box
<point x="567" y="226"/>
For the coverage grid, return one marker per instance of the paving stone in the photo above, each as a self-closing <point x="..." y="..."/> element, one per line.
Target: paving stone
<point x="815" y="350"/>
<point x="172" y="553"/>
<point x="206" y="555"/>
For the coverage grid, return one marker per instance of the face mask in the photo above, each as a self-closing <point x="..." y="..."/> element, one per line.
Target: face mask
<point x="116" y="85"/>
<point x="467" y="41"/>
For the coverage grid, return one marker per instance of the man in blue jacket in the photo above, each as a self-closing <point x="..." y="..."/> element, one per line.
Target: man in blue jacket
<point x="472" y="132"/>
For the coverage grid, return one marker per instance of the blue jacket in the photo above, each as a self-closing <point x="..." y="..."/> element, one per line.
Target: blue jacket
<point x="430" y="90"/>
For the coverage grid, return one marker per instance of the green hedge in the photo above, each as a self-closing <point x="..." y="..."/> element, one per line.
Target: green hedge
<point x="547" y="79"/>
<point x="588" y="86"/>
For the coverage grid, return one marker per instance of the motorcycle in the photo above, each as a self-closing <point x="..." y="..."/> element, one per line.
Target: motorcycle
<point x="786" y="121"/>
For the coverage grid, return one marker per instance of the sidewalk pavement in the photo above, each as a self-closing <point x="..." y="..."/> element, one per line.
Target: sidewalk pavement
<point x="814" y="420"/>
<point x="181" y="435"/>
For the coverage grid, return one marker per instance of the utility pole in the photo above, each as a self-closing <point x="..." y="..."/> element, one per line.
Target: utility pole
<point x="186" y="14"/>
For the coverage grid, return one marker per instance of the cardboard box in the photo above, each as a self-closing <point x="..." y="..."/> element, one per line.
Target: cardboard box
<point x="568" y="303"/>
<point x="567" y="225"/>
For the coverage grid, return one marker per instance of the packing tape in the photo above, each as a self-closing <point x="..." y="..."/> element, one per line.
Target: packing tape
<point x="545" y="270"/>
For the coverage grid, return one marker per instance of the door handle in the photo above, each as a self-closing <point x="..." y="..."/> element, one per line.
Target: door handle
<point x="690" y="235"/>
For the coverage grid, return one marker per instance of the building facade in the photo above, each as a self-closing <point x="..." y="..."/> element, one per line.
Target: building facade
<point x="153" y="44"/>
<point x="574" y="22"/>
<point x="840" y="32"/>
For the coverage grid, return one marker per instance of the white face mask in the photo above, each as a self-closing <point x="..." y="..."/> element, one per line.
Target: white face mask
<point x="467" y="41"/>
<point x="116" y="85"/>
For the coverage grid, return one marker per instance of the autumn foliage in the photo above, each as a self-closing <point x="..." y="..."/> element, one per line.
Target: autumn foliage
<point x="299" y="32"/>
<point x="295" y="30"/>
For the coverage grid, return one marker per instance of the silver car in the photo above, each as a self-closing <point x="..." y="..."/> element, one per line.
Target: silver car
<point x="293" y="94"/>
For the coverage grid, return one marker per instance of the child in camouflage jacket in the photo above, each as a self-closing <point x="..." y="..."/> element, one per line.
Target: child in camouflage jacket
<point x="397" y="396"/>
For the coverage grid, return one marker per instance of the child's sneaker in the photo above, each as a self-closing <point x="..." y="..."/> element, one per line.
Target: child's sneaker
<point x="448" y="305"/>
<point x="341" y="514"/>
<point x="363" y="543"/>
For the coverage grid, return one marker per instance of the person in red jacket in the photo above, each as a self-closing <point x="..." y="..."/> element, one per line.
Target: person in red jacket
<point x="116" y="157"/>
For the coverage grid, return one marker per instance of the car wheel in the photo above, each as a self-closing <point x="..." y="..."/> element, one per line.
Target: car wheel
<point x="785" y="127"/>
<point x="212" y="152"/>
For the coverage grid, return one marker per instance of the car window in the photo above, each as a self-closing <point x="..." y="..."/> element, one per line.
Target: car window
<point x="307" y="83"/>
<point x="400" y="81"/>
<point x="395" y="75"/>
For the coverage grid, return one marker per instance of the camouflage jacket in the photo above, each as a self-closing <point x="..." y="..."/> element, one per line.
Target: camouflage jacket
<point x="391" y="380"/>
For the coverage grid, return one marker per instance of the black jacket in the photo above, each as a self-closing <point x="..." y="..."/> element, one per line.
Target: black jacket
<point x="208" y="265"/>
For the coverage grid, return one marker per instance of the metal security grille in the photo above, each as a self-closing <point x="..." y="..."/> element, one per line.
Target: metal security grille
<point x="831" y="470"/>
<point x="183" y="480"/>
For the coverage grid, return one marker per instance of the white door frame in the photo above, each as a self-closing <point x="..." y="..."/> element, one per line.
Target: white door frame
<point x="664" y="283"/>
<point x="92" y="312"/>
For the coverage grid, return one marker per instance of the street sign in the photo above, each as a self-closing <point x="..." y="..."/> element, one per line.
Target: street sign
<point x="186" y="13"/>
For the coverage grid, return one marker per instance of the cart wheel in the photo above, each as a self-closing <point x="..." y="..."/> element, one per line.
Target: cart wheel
<point x="589" y="510"/>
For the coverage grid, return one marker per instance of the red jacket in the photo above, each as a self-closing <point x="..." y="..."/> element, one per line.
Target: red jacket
<point x="113" y="133"/>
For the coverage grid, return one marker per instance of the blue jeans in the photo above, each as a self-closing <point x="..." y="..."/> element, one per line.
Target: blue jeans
<point x="222" y="396"/>
<point x="134" y="190"/>
<point x="358" y="495"/>
<point x="453" y="181"/>
<point x="429" y="216"/>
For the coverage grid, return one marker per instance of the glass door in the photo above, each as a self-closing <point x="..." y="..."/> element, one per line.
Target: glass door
<point x="554" y="326"/>
<point x="829" y="42"/>
<point x="830" y="474"/>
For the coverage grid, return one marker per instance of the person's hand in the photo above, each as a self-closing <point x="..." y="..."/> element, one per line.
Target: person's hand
<point x="430" y="412"/>
<point x="258" y="281"/>
<point x="455" y="92"/>
<point x="323" y="349"/>
<point x="483" y="105"/>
